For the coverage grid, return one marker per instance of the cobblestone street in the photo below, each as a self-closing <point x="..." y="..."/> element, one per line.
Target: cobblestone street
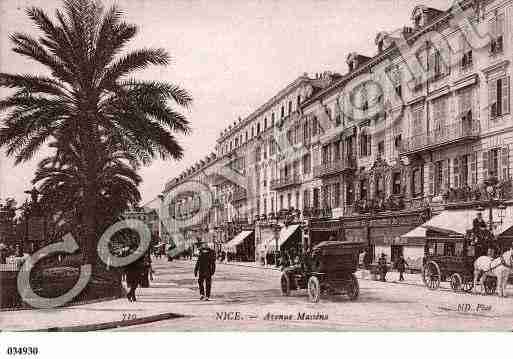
<point x="254" y="292"/>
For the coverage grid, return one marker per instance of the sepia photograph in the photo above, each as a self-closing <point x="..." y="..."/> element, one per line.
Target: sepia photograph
<point x="255" y="166"/>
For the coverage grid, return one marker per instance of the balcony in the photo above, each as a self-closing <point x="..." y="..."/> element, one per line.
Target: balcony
<point x="457" y="133"/>
<point x="239" y="195"/>
<point x="285" y="182"/>
<point x="333" y="168"/>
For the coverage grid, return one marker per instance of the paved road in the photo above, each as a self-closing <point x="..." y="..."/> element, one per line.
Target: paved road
<point x="255" y="294"/>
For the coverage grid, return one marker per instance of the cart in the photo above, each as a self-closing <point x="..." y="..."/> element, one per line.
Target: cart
<point x="328" y="269"/>
<point x="451" y="259"/>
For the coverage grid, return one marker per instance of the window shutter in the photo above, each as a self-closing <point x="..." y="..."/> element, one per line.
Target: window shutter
<point x="445" y="174"/>
<point x="369" y="145"/>
<point x="473" y="168"/>
<point x="492" y="98"/>
<point x="431" y="178"/>
<point x="505" y="162"/>
<point x="500" y="25"/>
<point x="456" y="170"/>
<point x="485" y="164"/>
<point x="505" y="95"/>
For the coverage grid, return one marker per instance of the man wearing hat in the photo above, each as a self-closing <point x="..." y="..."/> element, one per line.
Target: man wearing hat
<point x="382" y="266"/>
<point x="204" y="270"/>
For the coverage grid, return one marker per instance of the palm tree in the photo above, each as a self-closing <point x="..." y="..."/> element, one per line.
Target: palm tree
<point x="60" y="181"/>
<point x="90" y="96"/>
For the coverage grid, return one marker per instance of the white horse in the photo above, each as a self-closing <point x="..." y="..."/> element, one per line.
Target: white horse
<point x="500" y="267"/>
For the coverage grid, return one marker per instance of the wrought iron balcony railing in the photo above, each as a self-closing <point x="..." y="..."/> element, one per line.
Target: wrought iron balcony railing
<point x="446" y="135"/>
<point x="285" y="182"/>
<point x="345" y="164"/>
<point x="239" y="195"/>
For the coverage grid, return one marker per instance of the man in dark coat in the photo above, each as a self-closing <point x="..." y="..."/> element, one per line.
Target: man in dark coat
<point x="204" y="270"/>
<point x="382" y="266"/>
<point x="401" y="265"/>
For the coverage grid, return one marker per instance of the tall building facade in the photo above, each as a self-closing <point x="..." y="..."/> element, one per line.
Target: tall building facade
<point x="423" y="121"/>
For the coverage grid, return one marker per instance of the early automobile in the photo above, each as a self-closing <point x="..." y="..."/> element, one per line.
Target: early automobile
<point x="327" y="269"/>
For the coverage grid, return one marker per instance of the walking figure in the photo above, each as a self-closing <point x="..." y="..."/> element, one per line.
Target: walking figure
<point x="204" y="270"/>
<point x="382" y="266"/>
<point x="401" y="265"/>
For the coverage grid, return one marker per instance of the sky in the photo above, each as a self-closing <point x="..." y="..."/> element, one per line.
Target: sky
<point x="231" y="55"/>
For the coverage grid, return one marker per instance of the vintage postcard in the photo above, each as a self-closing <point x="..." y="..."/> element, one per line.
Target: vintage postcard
<point x="175" y="165"/>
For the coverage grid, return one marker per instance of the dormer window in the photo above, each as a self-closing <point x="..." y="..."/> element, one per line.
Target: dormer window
<point x="418" y="20"/>
<point x="350" y="66"/>
<point x="380" y="46"/>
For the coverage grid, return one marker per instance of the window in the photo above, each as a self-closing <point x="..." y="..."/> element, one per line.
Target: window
<point x="306" y="133"/>
<point x="437" y="65"/>
<point x="258" y="128"/>
<point x="272" y="119"/>
<point x="396" y="183"/>
<point x="298" y="101"/>
<point x="290" y="107"/>
<point x="252" y="132"/>
<point x="246" y="136"/>
<point x="307" y="163"/>
<point x="306" y="198"/>
<point x="397" y="141"/>
<point x="349" y="193"/>
<point x="297" y="200"/>
<point x="236" y="142"/>
<point x="438" y="177"/>
<point x="417" y="182"/>
<point x="439" y="116"/>
<point x="364" y="187"/>
<point x="316" y="203"/>
<point x="282" y="111"/>
<point x="491" y="163"/>
<point x="497" y="33"/>
<point x="272" y="204"/>
<point x="289" y="200"/>
<point x="365" y="144"/>
<point x="265" y="123"/>
<point x="281" y="202"/>
<point x="336" y="195"/>
<point x="381" y="148"/>
<point x="466" y="57"/>
<point x="499" y="97"/>
<point x="398" y="90"/>
<point x="417" y="119"/>
<point x="314" y="126"/>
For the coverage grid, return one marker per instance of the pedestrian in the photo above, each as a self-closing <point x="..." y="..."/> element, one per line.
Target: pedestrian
<point x="401" y="265"/>
<point x="367" y="259"/>
<point x="3" y="253"/>
<point x="382" y="266"/>
<point x="134" y="273"/>
<point x="204" y="270"/>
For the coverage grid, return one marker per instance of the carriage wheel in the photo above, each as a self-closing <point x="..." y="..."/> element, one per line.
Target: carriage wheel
<point x="353" y="288"/>
<point x="314" y="289"/>
<point x="490" y="285"/>
<point x="468" y="284"/>
<point x="285" y="285"/>
<point x="431" y="275"/>
<point x="456" y="282"/>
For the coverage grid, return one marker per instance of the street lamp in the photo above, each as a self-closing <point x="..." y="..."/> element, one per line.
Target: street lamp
<point x="276" y="231"/>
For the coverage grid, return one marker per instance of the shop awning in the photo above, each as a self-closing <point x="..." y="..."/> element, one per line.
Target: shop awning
<point x="452" y="221"/>
<point x="418" y="232"/>
<point x="460" y="221"/>
<point x="238" y="239"/>
<point x="286" y="233"/>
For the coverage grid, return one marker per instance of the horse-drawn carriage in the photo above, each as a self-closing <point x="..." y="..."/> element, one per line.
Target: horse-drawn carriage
<point x="328" y="269"/>
<point x="454" y="259"/>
